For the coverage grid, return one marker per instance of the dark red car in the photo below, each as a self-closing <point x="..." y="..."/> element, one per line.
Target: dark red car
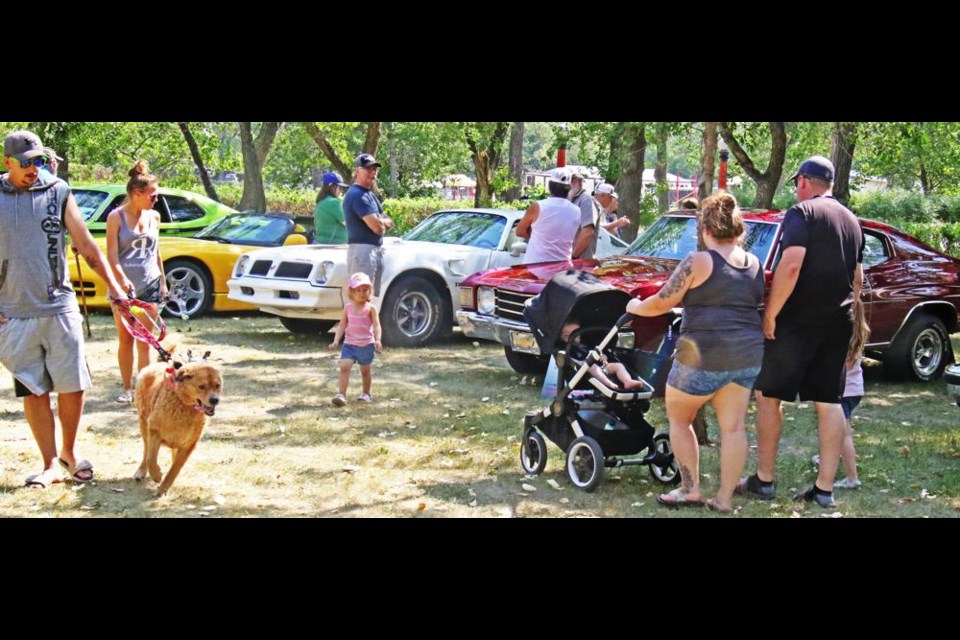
<point x="911" y="291"/>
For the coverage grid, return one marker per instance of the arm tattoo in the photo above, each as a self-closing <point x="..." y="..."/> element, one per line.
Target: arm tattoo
<point x="675" y="283"/>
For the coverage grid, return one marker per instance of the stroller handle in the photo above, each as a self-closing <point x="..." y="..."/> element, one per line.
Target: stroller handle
<point x="625" y="319"/>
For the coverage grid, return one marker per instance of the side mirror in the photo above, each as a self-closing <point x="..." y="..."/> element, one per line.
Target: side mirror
<point x="295" y="239"/>
<point x="518" y="248"/>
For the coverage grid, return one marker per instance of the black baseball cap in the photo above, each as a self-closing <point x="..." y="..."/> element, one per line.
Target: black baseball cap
<point x="816" y="167"/>
<point x="365" y="161"/>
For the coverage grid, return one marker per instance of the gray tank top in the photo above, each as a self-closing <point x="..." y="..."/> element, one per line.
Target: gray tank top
<point x="34" y="279"/>
<point x="138" y="253"/>
<point x="721" y="328"/>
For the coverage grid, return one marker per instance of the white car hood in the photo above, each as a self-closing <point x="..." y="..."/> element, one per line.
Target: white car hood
<point x="337" y="253"/>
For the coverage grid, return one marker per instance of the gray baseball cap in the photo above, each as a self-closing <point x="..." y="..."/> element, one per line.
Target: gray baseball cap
<point x="22" y="145"/>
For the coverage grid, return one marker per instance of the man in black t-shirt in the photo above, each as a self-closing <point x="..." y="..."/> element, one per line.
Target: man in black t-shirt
<point x="807" y="323"/>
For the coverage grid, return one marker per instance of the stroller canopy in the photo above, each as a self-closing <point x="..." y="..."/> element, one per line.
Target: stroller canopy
<point x="576" y="294"/>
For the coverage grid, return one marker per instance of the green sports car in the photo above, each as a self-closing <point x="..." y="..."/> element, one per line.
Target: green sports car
<point x="182" y="213"/>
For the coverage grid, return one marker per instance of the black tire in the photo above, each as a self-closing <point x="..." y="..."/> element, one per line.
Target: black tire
<point x="533" y="452"/>
<point x="526" y="362"/>
<point x="585" y="463"/>
<point x="304" y="327"/>
<point x="190" y="287"/>
<point x="920" y="351"/>
<point x="414" y="313"/>
<point x="664" y="467"/>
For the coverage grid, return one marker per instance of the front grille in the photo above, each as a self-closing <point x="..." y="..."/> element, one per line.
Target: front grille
<point x="509" y="304"/>
<point x="260" y="267"/>
<point x="299" y="270"/>
<point x="85" y="287"/>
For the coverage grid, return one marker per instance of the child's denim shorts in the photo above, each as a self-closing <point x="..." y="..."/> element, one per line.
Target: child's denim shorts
<point x="362" y="355"/>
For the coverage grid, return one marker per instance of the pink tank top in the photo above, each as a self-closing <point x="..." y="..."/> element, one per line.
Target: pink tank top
<point x="359" y="331"/>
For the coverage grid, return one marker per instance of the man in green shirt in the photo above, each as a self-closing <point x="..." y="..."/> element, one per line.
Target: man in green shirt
<point x="328" y="216"/>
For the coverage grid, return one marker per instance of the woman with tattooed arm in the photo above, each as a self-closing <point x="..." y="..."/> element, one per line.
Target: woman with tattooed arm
<point x="719" y="351"/>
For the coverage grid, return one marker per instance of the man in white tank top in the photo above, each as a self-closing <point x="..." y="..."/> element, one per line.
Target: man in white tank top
<point x="551" y="224"/>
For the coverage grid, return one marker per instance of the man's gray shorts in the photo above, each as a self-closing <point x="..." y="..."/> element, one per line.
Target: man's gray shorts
<point x="45" y="354"/>
<point x="367" y="258"/>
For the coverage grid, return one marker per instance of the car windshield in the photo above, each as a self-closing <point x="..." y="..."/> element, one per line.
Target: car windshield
<point x="474" y="229"/>
<point x="249" y="229"/>
<point x="89" y="201"/>
<point x="676" y="236"/>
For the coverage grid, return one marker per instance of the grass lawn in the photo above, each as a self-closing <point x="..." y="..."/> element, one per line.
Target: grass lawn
<point x="440" y="440"/>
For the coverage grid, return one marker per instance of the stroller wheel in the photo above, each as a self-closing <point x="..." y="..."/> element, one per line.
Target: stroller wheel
<point x="664" y="466"/>
<point x="533" y="451"/>
<point x="585" y="463"/>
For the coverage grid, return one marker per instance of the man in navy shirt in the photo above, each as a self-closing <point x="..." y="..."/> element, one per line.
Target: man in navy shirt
<point x="366" y="222"/>
<point x="808" y="325"/>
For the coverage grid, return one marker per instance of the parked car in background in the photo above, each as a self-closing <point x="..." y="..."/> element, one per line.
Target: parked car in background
<point x="306" y="286"/>
<point x="911" y="291"/>
<point x="197" y="268"/>
<point x="182" y="213"/>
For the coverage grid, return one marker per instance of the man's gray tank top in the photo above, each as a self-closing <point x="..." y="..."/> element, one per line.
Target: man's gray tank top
<point x="34" y="280"/>
<point x="721" y="329"/>
<point x="138" y="252"/>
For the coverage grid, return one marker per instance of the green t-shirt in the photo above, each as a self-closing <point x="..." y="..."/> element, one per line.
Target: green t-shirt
<point x="328" y="222"/>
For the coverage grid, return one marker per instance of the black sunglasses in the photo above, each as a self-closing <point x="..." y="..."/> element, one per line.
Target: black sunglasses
<point x="39" y="162"/>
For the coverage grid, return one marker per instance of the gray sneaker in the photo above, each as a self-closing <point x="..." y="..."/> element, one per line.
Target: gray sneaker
<point x="811" y="495"/>
<point x="753" y="487"/>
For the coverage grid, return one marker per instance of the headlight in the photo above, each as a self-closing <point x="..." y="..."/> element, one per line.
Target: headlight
<point x="324" y="272"/>
<point x="241" y="266"/>
<point x="486" y="301"/>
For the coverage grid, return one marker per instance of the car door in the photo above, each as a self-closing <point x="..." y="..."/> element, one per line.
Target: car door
<point x="883" y="277"/>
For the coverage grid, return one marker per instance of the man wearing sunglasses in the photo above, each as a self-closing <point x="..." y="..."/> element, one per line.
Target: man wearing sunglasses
<point x="41" y="338"/>
<point x="808" y="324"/>
<point x="366" y="222"/>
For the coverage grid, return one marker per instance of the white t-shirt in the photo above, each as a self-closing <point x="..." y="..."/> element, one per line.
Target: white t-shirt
<point x="854" y="386"/>
<point x="552" y="234"/>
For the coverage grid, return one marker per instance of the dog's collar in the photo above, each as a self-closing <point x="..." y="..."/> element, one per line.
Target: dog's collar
<point x="170" y="377"/>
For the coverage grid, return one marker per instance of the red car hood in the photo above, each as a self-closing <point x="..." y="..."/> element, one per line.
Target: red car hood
<point x="630" y="273"/>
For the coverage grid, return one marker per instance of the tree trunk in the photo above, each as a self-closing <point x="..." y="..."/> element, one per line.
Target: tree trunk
<point x="198" y="160"/>
<point x="484" y="195"/>
<point x="486" y="161"/>
<point x="516" y="163"/>
<point x="924" y="180"/>
<point x="660" y="170"/>
<point x="767" y="180"/>
<point x="700" y="426"/>
<point x="842" y="144"/>
<point x="253" y="198"/>
<point x="394" y="166"/>
<point x="614" y="164"/>
<point x="708" y="165"/>
<point x="339" y="165"/>
<point x="631" y="176"/>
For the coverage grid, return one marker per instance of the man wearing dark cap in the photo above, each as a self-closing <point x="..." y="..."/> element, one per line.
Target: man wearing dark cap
<point x="585" y="242"/>
<point x="366" y="222"/>
<point x="328" y="224"/>
<point x="41" y="340"/>
<point x="808" y="324"/>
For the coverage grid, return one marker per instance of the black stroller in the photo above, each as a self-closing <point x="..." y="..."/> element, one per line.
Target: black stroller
<point x="594" y="424"/>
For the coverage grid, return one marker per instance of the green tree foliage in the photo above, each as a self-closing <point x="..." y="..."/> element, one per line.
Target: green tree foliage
<point x="923" y="155"/>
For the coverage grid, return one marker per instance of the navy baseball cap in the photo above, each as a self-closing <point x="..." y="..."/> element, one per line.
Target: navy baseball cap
<point x="332" y="177"/>
<point x="815" y="167"/>
<point x="365" y="161"/>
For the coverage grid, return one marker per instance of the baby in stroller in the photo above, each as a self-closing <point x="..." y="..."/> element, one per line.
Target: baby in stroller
<point x="595" y="421"/>
<point x="578" y="353"/>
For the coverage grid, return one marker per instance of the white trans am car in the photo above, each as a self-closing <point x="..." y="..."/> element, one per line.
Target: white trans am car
<point x="307" y="286"/>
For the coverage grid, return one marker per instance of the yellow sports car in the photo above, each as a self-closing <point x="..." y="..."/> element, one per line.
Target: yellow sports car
<point x="198" y="268"/>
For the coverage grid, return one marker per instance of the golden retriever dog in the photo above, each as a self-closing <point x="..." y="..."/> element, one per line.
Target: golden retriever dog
<point x="173" y="410"/>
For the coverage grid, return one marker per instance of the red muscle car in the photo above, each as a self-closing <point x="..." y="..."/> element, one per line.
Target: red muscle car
<point x="911" y="291"/>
